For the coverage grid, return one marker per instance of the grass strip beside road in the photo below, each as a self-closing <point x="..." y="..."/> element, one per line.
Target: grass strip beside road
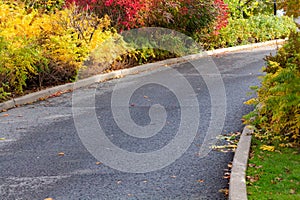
<point x="273" y="174"/>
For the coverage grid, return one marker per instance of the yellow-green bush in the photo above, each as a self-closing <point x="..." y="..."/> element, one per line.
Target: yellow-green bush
<point x="278" y="113"/>
<point x="257" y="28"/>
<point x="45" y="6"/>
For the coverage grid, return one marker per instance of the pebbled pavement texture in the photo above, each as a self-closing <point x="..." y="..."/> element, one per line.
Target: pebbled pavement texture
<point x="34" y="135"/>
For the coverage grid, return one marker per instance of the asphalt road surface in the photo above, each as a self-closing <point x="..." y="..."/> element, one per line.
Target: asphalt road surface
<point x="47" y="149"/>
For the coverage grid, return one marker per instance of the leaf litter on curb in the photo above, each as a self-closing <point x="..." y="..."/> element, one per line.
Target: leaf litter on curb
<point x="228" y="143"/>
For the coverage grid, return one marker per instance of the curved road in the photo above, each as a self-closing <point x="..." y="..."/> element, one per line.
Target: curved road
<point x="42" y="156"/>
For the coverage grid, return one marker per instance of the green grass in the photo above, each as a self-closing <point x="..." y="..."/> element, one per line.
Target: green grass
<point x="273" y="175"/>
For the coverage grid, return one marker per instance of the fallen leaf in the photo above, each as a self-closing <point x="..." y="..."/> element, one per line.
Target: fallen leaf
<point x="231" y="146"/>
<point x="278" y="179"/>
<point x="120" y="76"/>
<point x="98" y="163"/>
<point x="198" y="154"/>
<point x="2" y="138"/>
<point x="57" y="94"/>
<point x="224" y="151"/>
<point x="226" y="174"/>
<point x="252" y="179"/>
<point x="292" y="191"/>
<point x="146" y="97"/>
<point x="225" y="191"/>
<point x="48" y="199"/>
<point x="251" y="165"/>
<point x="224" y="146"/>
<point x="267" y="148"/>
<point x="5" y="115"/>
<point x="200" y="181"/>
<point x="260" y="157"/>
<point x="43" y="98"/>
<point x="61" y="154"/>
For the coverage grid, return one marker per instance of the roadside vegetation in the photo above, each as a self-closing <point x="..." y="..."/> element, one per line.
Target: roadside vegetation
<point x="48" y="42"/>
<point x="273" y="174"/>
<point x="274" y="166"/>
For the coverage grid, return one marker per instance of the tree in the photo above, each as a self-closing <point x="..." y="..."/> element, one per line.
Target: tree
<point x="247" y="8"/>
<point x="291" y="7"/>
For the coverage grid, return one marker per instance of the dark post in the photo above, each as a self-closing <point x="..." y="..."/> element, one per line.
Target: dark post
<point x="275" y="8"/>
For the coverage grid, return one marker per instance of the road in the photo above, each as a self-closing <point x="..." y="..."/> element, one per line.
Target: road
<point x="43" y="155"/>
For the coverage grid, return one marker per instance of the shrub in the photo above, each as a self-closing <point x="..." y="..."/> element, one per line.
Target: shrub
<point x="153" y="44"/>
<point x="45" y="49"/>
<point x="291" y="7"/>
<point x="16" y="65"/>
<point x="186" y="16"/>
<point x="278" y="115"/>
<point x="258" y="28"/>
<point x="194" y="18"/>
<point x="18" y="53"/>
<point x="44" y="6"/>
<point x="222" y="17"/>
<point x="247" y="8"/>
<point x="124" y="14"/>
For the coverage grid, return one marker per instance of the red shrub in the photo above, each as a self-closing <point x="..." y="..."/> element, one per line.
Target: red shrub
<point x="186" y="16"/>
<point x="124" y="14"/>
<point x="222" y="18"/>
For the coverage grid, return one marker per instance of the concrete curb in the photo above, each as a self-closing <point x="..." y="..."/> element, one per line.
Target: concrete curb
<point x="35" y="96"/>
<point x="237" y="184"/>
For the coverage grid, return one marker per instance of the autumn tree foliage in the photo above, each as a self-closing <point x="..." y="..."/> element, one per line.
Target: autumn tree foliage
<point x="291" y="7"/>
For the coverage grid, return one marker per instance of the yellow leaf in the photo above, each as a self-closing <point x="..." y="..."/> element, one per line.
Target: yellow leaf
<point x="61" y="154"/>
<point x="251" y="101"/>
<point x="267" y="148"/>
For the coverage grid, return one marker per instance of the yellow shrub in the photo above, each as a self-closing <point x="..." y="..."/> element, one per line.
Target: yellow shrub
<point x="38" y="49"/>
